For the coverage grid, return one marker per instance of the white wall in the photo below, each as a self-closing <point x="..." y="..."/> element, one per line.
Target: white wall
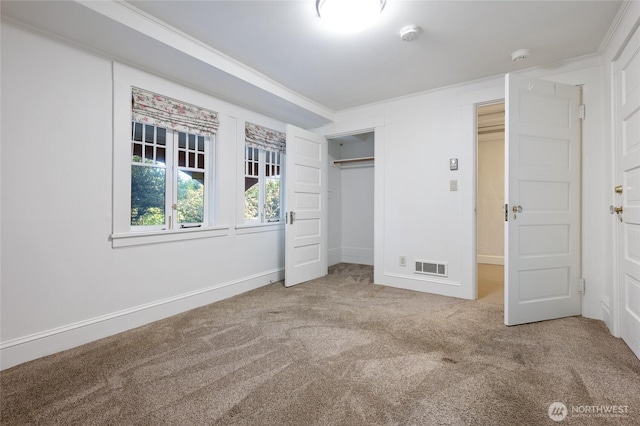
<point x="62" y="282"/>
<point x="334" y="205"/>
<point x="424" y="220"/>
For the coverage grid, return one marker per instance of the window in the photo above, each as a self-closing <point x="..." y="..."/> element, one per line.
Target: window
<point x="262" y="189"/>
<point x="263" y="166"/>
<point x="169" y="187"/>
<point x="171" y="163"/>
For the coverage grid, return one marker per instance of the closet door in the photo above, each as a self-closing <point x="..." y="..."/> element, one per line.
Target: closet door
<point x="306" y="201"/>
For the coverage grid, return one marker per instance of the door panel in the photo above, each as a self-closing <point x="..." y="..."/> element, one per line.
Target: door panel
<point x="542" y="188"/>
<point x="306" y="186"/>
<point x="627" y="75"/>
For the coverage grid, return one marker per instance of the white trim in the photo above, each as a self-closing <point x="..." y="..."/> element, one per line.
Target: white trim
<point x="361" y="256"/>
<point x="606" y="314"/>
<point x="154" y="237"/>
<point x="614" y="27"/>
<point x="27" y="348"/>
<point x="377" y="125"/>
<point x="491" y="260"/>
<point x="140" y="21"/>
<point x="252" y="228"/>
<point x="424" y="284"/>
<point x="334" y="256"/>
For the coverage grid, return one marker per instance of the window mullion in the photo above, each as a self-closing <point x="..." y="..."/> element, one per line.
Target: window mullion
<point x="172" y="180"/>
<point x="263" y="187"/>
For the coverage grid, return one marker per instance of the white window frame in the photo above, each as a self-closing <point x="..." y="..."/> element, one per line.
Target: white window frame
<point x="262" y="184"/>
<point x="172" y="171"/>
<point x="122" y="234"/>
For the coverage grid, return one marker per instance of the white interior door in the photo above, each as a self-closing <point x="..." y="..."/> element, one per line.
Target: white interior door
<point x="306" y="199"/>
<point x="542" y="187"/>
<point x="627" y="75"/>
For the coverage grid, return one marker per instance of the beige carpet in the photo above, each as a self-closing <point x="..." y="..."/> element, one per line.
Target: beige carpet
<point x="491" y="283"/>
<point x="334" y="351"/>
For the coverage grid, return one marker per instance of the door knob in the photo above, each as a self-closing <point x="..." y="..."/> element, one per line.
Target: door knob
<point x="616" y="210"/>
<point x="618" y="189"/>
<point x="517" y="209"/>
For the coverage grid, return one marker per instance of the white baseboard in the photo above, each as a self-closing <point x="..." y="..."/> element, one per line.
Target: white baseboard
<point x="27" y="348"/>
<point x="334" y="256"/>
<point x="361" y="256"/>
<point x="423" y="284"/>
<point x="491" y="260"/>
<point x="606" y="316"/>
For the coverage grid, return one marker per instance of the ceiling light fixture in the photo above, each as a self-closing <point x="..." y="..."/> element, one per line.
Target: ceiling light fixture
<point x="349" y="16"/>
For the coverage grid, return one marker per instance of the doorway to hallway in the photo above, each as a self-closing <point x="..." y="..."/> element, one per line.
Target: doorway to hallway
<point x="490" y="202"/>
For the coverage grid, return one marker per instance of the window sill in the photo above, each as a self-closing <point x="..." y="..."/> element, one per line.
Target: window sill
<point x="252" y="228"/>
<point x="154" y="237"/>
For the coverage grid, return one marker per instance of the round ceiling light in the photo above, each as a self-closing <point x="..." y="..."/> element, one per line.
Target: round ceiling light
<point x="349" y="16"/>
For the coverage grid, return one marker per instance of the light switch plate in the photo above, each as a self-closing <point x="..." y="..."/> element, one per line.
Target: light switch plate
<point x="453" y="164"/>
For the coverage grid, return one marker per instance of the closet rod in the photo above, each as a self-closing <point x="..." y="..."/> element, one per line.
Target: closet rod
<point x="353" y="160"/>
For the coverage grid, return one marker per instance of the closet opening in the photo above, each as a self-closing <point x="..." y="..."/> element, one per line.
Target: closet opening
<point x="351" y="205"/>
<point x="490" y="151"/>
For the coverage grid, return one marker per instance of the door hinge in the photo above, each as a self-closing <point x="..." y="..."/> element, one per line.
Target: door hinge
<point x="581" y="285"/>
<point x="582" y="112"/>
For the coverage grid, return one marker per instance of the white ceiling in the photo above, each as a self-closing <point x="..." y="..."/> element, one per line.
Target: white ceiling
<point x="309" y="73"/>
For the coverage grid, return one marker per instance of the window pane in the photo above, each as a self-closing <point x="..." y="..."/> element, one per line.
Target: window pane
<point x="148" y="133"/>
<point x="160" y="156"/>
<point x="190" y="197"/>
<point x="201" y="161"/>
<point x="182" y="140"/>
<point x="162" y="136"/>
<point x="137" y="152"/>
<point x="251" y="197"/>
<point x="182" y="159"/>
<point x="192" y="142"/>
<point x="137" y="132"/>
<point x="192" y="159"/>
<point x="147" y="196"/>
<point x="272" y="199"/>
<point x="148" y="152"/>
<point x="201" y="143"/>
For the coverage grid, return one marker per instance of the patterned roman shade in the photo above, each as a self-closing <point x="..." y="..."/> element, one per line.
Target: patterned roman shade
<point x="151" y="108"/>
<point x="265" y="139"/>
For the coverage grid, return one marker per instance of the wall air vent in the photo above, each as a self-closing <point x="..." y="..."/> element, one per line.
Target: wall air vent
<point x="431" y="268"/>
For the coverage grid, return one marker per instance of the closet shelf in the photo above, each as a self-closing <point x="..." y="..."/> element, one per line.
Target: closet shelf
<point x="353" y="161"/>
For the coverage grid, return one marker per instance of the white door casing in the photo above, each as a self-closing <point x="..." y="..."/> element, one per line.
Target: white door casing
<point x="542" y="193"/>
<point x="627" y="145"/>
<point x="306" y="204"/>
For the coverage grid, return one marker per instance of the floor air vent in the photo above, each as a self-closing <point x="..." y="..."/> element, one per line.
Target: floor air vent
<point x="431" y="268"/>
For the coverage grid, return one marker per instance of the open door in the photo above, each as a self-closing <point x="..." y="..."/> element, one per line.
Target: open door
<point x="628" y="192"/>
<point x="306" y="199"/>
<point x="542" y="187"/>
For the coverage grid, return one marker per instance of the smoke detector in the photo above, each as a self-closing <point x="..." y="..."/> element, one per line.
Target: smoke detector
<point x="409" y="33"/>
<point x="519" y="55"/>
